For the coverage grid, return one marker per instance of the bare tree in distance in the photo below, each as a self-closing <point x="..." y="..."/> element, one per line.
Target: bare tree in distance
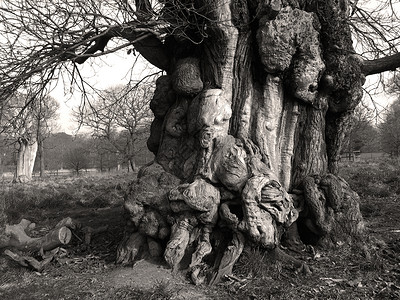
<point x="249" y="116"/>
<point x="18" y="127"/>
<point x="26" y="123"/>
<point x="121" y="116"/>
<point x="390" y="130"/>
<point x="45" y="115"/>
<point x="363" y="134"/>
<point x="76" y="159"/>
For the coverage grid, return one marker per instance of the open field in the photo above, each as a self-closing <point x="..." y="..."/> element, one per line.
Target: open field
<point x="369" y="270"/>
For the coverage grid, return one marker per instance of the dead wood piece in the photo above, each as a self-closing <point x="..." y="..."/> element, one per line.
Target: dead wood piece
<point x="28" y="261"/>
<point x="27" y="225"/>
<point x="68" y="222"/>
<point x="15" y="236"/>
<point x="231" y="255"/>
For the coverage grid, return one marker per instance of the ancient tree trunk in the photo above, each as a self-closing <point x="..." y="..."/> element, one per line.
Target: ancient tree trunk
<point x="25" y="160"/>
<point x="249" y="120"/>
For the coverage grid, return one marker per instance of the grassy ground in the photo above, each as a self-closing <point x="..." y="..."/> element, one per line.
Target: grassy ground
<point x="362" y="271"/>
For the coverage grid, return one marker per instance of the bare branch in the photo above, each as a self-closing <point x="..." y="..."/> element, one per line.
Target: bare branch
<point x="120" y="116"/>
<point x="388" y="63"/>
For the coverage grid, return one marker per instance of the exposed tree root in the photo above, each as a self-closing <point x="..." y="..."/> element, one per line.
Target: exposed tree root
<point x="331" y="213"/>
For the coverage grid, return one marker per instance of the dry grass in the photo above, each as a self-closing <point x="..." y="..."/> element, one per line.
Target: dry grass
<point x="95" y="191"/>
<point x="366" y="270"/>
<point x="373" y="179"/>
<point x="369" y="270"/>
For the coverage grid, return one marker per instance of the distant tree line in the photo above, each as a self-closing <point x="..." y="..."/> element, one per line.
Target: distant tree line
<point x="366" y="135"/>
<point x="363" y="135"/>
<point x="26" y="121"/>
<point x="390" y="130"/>
<point x="116" y="132"/>
<point x="119" y="120"/>
<point x="62" y="151"/>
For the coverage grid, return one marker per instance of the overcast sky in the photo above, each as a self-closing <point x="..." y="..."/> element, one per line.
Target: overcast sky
<point x="102" y="73"/>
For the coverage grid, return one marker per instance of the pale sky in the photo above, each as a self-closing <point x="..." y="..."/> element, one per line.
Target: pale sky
<point x="102" y="73"/>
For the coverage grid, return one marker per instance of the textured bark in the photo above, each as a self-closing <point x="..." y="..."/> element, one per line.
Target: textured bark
<point x="377" y="66"/>
<point x="332" y="210"/>
<point x="25" y="160"/>
<point x="40" y="155"/>
<point x="250" y="123"/>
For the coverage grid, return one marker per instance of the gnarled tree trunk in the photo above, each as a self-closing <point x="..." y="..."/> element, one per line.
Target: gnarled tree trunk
<point x="249" y="121"/>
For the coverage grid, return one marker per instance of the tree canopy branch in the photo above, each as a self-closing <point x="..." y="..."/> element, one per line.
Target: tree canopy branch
<point x="376" y="66"/>
<point x="144" y="41"/>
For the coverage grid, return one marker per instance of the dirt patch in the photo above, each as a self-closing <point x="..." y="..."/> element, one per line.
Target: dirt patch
<point x="148" y="275"/>
<point x="143" y="274"/>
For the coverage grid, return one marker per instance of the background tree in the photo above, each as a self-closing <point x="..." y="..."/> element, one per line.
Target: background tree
<point x="6" y="155"/>
<point x="121" y="116"/>
<point x="362" y="136"/>
<point x="77" y="155"/>
<point x="26" y="123"/>
<point x="45" y="116"/>
<point x="254" y="104"/>
<point x="390" y="130"/>
<point x="107" y="157"/>
<point x="56" y="148"/>
<point x="18" y="126"/>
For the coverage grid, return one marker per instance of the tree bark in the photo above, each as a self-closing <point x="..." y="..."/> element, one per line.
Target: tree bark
<point x="376" y="66"/>
<point x="40" y="153"/>
<point x="25" y="160"/>
<point x="251" y="120"/>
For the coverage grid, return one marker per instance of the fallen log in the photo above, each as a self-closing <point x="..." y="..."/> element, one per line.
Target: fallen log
<point x="15" y="236"/>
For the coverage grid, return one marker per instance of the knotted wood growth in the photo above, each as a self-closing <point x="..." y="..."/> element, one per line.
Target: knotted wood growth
<point x="247" y="122"/>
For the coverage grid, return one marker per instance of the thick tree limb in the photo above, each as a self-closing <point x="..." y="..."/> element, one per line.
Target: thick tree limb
<point x="387" y="63"/>
<point x="99" y="45"/>
<point x="144" y="11"/>
<point x="153" y="50"/>
<point x="143" y="39"/>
